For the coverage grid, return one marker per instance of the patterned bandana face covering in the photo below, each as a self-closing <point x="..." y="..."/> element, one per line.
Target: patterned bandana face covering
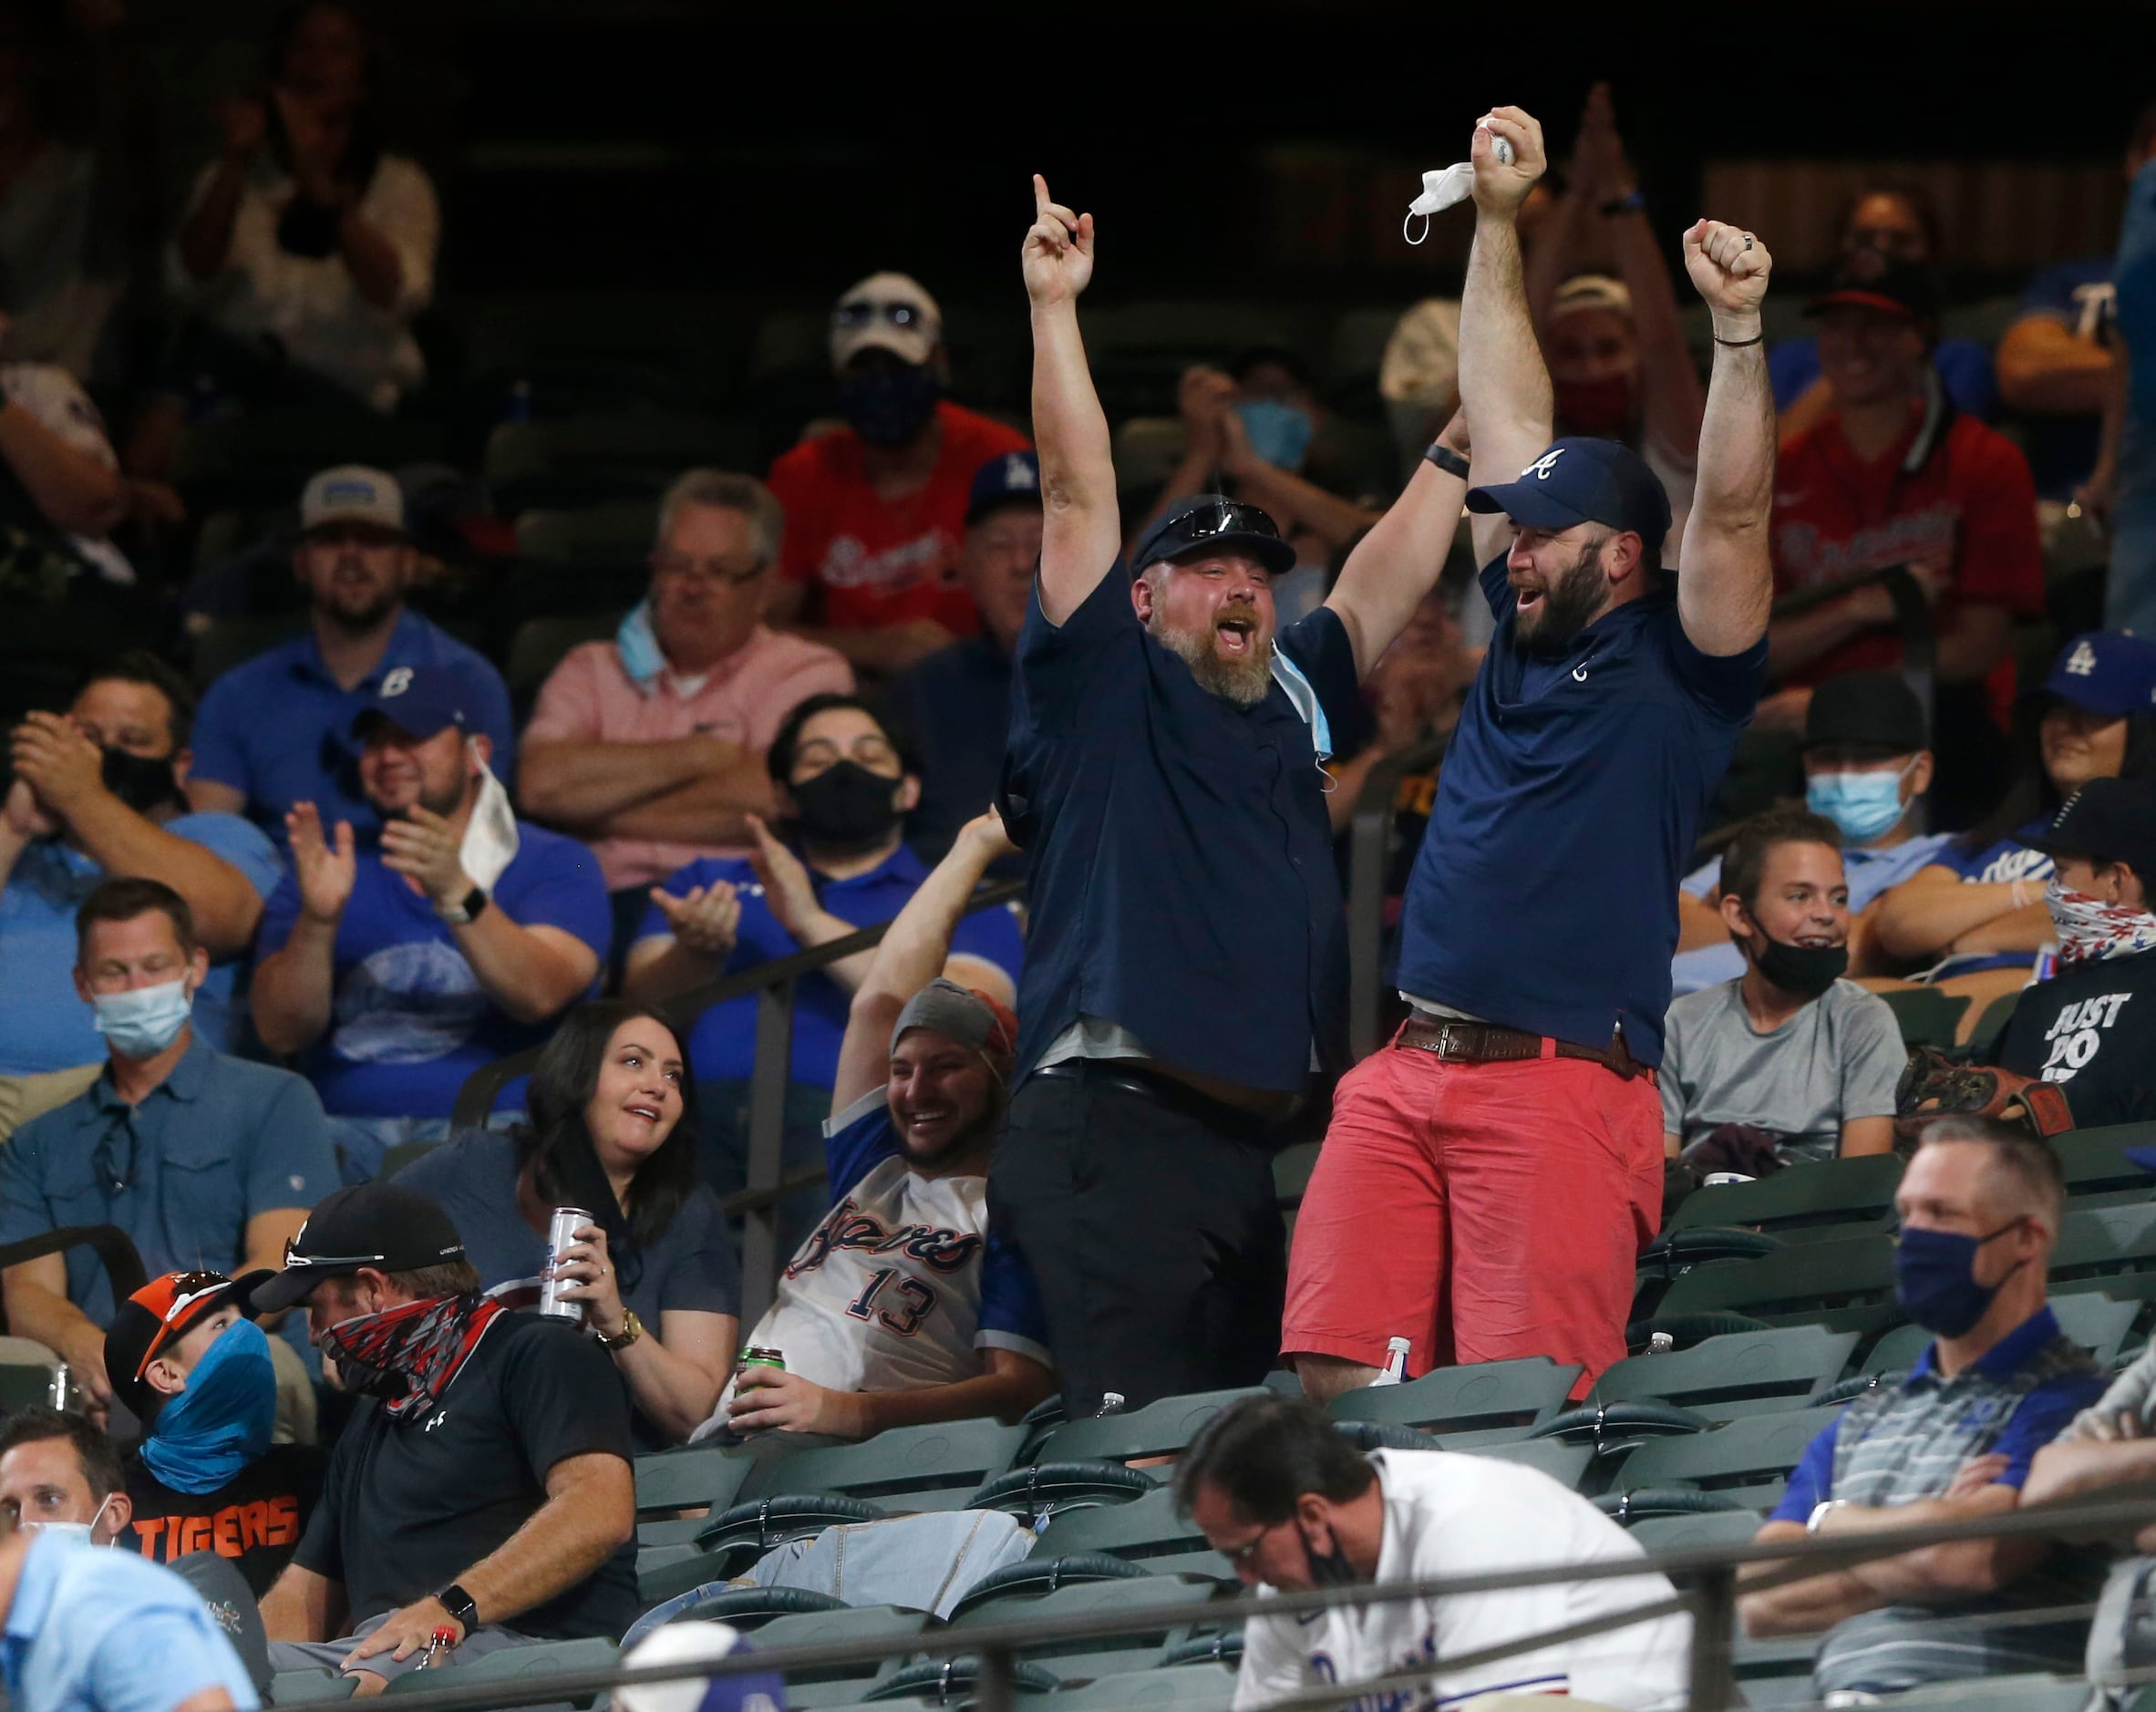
<point x="2090" y="930"/>
<point x="407" y="1355"/>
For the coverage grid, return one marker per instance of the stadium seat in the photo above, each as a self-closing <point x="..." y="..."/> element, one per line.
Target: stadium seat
<point x="604" y="456"/>
<point x="1054" y="1488"/>
<point x="308" y="1687"/>
<point x="1189" y="1688"/>
<point x="743" y="1607"/>
<point x="1565" y="1464"/>
<point x="2093" y="1320"/>
<point x="2103" y="1241"/>
<point x="613" y="536"/>
<point x="1689" y="1533"/>
<point x="1926" y="1017"/>
<point x="2095" y="1162"/>
<point x="1983" y="1037"/>
<point x="823" y="1685"/>
<point x="1746" y="1460"/>
<point x="1647" y="1503"/>
<point x="1177" y="1603"/>
<point x="1834" y="1192"/>
<point x="225" y="643"/>
<point x="1385" y="1435"/>
<point x="940" y="1681"/>
<point x="537" y="646"/>
<point x="2030" y="1693"/>
<point x="1484" y="1402"/>
<point x="689" y="1479"/>
<point x="26" y="1384"/>
<point x="1221" y="1646"/>
<point x="1611" y="1430"/>
<point x="535" y="1664"/>
<point x="1146" y="1532"/>
<point x="1044" y="1574"/>
<point x="1777" y="1671"/>
<point x="1746" y="1374"/>
<point x="1161" y="1428"/>
<point x="907" y="1468"/>
<point x="1797" y="1283"/>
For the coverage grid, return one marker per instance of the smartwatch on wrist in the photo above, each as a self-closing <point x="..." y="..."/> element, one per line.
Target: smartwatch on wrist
<point x="1821" y="1510"/>
<point x="459" y="1605"/>
<point x="467" y="911"/>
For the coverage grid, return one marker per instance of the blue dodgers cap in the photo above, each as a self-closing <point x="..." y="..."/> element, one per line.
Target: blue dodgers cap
<point x="2108" y="673"/>
<point x="424" y="700"/>
<point x="1012" y="479"/>
<point x="1583" y="480"/>
<point x="1212" y="523"/>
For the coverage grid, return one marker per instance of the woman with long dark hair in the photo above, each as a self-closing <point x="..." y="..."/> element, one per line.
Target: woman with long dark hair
<point x="613" y="1129"/>
<point x="1980" y="904"/>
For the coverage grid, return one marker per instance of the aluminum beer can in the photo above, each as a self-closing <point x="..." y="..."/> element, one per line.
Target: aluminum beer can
<point x="561" y="1233"/>
<point x="753" y="1356"/>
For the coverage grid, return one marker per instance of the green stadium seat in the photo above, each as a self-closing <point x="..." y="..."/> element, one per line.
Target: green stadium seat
<point x="1834" y="1192"/>
<point x="225" y="643"/>
<point x="1927" y="1017"/>
<point x="1055" y="1488"/>
<point x="2103" y="1241"/>
<point x="1745" y="1374"/>
<point x="689" y="1479"/>
<point x="1746" y="1460"/>
<point x="907" y="1468"/>
<point x="2095" y="1162"/>
<point x="1565" y="1464"/>
<point x="539" y="645"/>
<point x="1795" y="1284"/>
<point x="1482" y="1402"/>
<point x="1178" y="1604"/>
<point x="605" y="456"/>
<point x="837" y="1685"/>
<point x="310" y="1687"/>
<point x="1186" y="1688"/>
<point x="1777" y="1671"/>
<point x="613" y="536"/>
<point x="935" y="1682"/>
<point x="2097" y="1322"/>
<point x="1692" y="1534"/>
<point x="534" y="1664"/>
<point x="1163" y="1429"/>
<point x="26" y="1384"/>
<point x="1989" y="1025"/>
<point x="2031" y="1693"/>
<point x="1146" y="1532"/>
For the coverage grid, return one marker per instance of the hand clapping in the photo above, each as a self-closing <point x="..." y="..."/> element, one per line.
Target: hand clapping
<point x="326" y="875"/>
<point x="426" y="850"/>
<point x="705" y="920"/>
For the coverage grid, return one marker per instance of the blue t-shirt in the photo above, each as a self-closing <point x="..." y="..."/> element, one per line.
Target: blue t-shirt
<point x="1011" y="1317"/>
<point x="2001" y="862"/>
<point x="722" y="1042"/>
<point x="278" y="730"/>
<point x="44" y="1024"/>
<point x="1182" y="881"/>
<point x="1964" y="366"/>
<point x="1870" y="873"/>
<point x="2077" y="295"/>
<point x="95" y="1630"/>
<point x="409" y="1020"/>
<point x="1568" y="783"/>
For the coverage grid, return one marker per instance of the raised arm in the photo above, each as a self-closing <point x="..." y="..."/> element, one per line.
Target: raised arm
<point x="1081" y="533"/>
<point x="1727" y="581"/>
<point x="914" y="953"/>
<point x="1399" y="561"/>
<point x="1503" y="387"/>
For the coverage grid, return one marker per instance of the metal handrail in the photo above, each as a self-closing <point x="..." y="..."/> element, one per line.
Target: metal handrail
<point x="1712" y="1604"/>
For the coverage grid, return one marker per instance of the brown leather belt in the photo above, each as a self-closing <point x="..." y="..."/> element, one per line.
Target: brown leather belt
<point x="1486" y="1043"/>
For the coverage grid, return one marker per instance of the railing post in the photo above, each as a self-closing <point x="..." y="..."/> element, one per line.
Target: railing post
<point x="767" y="1147"/>
<point x="995" y="1689"/>
<point x="1714" y="1627"/>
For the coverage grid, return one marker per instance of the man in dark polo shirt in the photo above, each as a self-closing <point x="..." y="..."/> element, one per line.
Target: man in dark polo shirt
<point x="1503" y="1158"/>
<point x="1188" y="961"/>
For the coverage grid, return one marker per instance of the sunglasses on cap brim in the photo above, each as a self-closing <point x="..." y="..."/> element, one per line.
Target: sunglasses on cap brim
<point x="1207" y="524"/>
<point x="192" y="1290"/>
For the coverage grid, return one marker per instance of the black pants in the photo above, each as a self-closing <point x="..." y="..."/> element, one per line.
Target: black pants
<point x="1149" y="1223"/>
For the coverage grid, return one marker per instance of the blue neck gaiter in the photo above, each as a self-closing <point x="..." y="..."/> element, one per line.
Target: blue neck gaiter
<point x="221" y="1422"/>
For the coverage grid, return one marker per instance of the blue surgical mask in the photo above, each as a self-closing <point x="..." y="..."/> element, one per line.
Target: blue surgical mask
<point x="1865" y="806"/>
<point x="638" y="645"/>
<point x="1936" y="1279"/>
<point x="1279" y="433"/>
<point x="143" y="1021"/>
<point x="221" y="1422"/>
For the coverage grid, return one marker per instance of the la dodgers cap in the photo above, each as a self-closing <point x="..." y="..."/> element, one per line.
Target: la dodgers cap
<point x="1008" y="479"/>
<point x="1583" y="480"/>
<point x="382" y="1225"/>
<point x="2108" y="673"/>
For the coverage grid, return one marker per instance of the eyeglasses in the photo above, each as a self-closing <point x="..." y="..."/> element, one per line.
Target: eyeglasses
<point x="1246" y="1553"/>
<point x="861" y="311"/>
<point x="676" y="566"/>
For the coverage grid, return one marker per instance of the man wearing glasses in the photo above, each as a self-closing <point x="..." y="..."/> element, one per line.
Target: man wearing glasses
<point x="1187" y="966"/>
<point x="875" y="510"/>
<point x="650" y="746"/>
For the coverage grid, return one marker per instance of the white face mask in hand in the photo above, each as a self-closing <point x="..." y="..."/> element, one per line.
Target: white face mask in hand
<point x="491" y="835"/>
<point x="1441" y="190"/>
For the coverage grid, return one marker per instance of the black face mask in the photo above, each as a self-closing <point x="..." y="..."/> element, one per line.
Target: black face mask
<point x="144" y="784"/>
<point x="1331" y="1570"/>
<point x="845" y="808"/>
<point x="1805" y="970"/>
<point x="888" y="407"/>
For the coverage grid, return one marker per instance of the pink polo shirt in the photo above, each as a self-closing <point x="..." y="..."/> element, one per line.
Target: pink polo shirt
<point x="588" y="698"/>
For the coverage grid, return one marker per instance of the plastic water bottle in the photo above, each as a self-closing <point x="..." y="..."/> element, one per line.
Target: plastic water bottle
<point x="1111" y="1403"/>
<point x="1396" y="1363"/>
<point x="1661" y="1342"/>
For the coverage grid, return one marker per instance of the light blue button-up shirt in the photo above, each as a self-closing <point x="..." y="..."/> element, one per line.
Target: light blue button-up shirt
<point x="92" y="1629"/>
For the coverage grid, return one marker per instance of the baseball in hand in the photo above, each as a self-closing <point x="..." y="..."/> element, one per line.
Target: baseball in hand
<point x="1501" y="149"/>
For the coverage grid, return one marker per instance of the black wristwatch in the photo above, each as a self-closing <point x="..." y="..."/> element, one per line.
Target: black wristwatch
<point x="1446" y="459"/>
<point x="459" y="1605"/>
<point x="460" y="915"/>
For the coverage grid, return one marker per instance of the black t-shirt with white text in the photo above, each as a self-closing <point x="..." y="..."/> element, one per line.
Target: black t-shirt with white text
<point x="255" y="1520"/>
<point x="410" y="1505"/>
<point x="2092" y="1030"/>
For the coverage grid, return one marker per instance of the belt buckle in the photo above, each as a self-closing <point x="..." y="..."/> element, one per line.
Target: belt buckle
<point x="1451" y="1040"/>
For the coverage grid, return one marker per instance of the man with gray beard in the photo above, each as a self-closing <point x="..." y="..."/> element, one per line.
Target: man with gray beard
<point x="1187" y="966"/>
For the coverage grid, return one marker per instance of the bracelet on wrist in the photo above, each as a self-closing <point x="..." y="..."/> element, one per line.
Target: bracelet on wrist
<point x="1756" y="338"/>
<point x="1446" y="459"/>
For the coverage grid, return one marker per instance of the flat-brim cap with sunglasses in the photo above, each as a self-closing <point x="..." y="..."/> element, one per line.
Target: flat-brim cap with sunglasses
<point x="1210" y="523"/>
<point x="886" y="312"/>
<point x="158" y="1315"/>
<point x="378" y="1225"/>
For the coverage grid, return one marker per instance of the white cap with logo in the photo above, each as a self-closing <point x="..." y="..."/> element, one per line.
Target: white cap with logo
<point x="352" y="493"/>
<point x="886" y="312"/>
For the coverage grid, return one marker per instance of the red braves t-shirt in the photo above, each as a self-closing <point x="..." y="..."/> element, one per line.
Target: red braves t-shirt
<point x="877" y="563"/>
<point x="1970" y="507"/>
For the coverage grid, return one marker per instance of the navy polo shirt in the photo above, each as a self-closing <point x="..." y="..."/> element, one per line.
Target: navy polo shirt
<point x="1545" y="895"/>
<point x="218" y="1142"/>
<point x="278" y="730"/>
<point x="957" y="705"/>
<point x="1182" y="882"/>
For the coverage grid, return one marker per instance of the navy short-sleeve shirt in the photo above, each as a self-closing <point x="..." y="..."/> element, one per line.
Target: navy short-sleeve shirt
<point x="1182" y="882"/>
<point x="1544" y="898"/>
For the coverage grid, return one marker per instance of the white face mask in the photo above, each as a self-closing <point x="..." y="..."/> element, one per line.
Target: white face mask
<point x="81" y="1533"/>
<point x="490" y="837"/>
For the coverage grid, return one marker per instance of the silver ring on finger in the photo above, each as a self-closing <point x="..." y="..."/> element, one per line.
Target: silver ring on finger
<point x="1748" y="239"/>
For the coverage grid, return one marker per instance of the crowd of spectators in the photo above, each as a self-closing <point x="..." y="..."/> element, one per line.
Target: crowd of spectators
<point x="254" y="949"/>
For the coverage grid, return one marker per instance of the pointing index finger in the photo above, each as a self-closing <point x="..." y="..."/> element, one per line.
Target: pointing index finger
<point x="1040" y="194"/>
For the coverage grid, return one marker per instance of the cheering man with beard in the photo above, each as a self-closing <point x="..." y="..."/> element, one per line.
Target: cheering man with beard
<point x="1187" y="962"/>
<point x="902" y="1308"/>
<point x="1504" y="1156"/>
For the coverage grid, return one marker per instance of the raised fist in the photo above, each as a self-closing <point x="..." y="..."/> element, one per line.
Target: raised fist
<point x="1728" y="265"/>
<point x="1501" y="186"/>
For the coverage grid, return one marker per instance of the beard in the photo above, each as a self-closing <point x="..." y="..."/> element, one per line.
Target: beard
<point x="1572" y="602"/>
<point x="976" y="1136"/>
<point x="1243" y="682"/>
<point x="358" y="620"/>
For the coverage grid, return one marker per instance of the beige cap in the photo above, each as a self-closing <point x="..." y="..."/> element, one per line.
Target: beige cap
<point x="1591" y="291"/>
<point x="886" y="312"/>
<point x="352" y="493"/>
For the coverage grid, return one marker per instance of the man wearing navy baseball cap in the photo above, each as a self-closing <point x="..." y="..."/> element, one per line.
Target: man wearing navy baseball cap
<point x="2091" y="1028"/>
<point x="1505" y="1154"/>
<point x="397" y="965"/>
<point x="957" y="702"/>
<point x="1187" y="962"/>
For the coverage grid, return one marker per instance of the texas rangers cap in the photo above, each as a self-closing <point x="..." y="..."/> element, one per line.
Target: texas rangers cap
<point x="2110" y="819"/>
<point x="352" y="493"/>
<point x="1011" y="479"/>
<point x="1583" y="480"/>
<point x="424" y="700"/>
<point x="2108" y="673"/>
<point x="1212" y="522"/>
<point x="381" y="1225"/>
<point x="886" y="312"/>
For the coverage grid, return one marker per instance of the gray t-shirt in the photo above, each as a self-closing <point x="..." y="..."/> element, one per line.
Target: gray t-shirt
<point x="1837" y="1059"/>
